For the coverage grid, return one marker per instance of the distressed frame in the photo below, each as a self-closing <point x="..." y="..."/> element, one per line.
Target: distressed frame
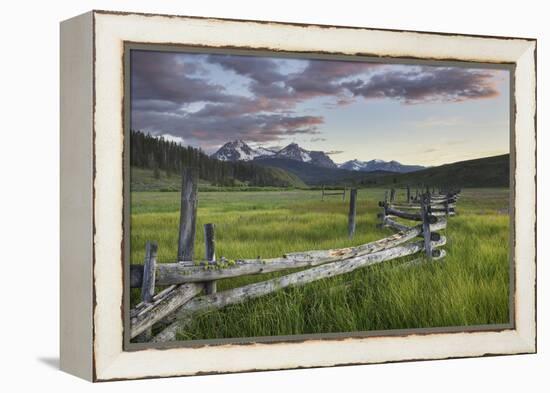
<point x="105" y="356"/>
<point x="129" y="46"/>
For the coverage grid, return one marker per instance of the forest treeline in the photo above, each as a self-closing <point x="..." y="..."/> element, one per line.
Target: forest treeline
<point x="161" y="155"/>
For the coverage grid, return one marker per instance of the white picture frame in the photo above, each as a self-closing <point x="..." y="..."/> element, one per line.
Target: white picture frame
<point x="92" y="195"/>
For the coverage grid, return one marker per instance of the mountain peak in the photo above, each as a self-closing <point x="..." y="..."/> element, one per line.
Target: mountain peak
<point x="378" y="165"/>
<point x="294" y="152"/>
<point x="236" y="142"/>
<point x="239" y="150"/>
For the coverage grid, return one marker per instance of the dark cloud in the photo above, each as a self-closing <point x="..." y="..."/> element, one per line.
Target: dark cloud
<point x="318" y="78"/>
<point x="162" y="76"/>
<point x="427" y="84"/>
<point x="175" y="94"/>
<point x="161" y="88"/>
<point x="323" y="77"/>
<point x="152" y="105"/>
<point x="218" y="129"/>
<point x="260" y="69"/>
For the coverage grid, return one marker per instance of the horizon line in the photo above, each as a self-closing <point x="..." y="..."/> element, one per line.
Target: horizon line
<point x="163" y="136"/>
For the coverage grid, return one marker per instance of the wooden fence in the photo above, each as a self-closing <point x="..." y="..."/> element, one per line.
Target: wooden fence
<point x="189" y="286"/>
<point x="341" y="193"/>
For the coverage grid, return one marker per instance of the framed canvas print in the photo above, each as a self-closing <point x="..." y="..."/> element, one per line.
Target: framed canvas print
<point x="246" y="195"/>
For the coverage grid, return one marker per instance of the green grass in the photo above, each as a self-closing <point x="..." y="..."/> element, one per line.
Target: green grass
<point x="469" y="287"/>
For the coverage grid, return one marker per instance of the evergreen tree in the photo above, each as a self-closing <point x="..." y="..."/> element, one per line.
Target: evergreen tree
<point x="156" y="154"/>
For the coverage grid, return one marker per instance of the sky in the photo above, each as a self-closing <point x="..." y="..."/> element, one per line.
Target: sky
<point x="414" y="114"/>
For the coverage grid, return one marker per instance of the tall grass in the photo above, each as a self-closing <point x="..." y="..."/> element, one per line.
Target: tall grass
<point x="469" y="287"/>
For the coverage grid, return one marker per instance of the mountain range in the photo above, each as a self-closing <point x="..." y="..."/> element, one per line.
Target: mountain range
<point x="156" y="164"/>
<point x="379" y="165"/>
<point x="240" y="151"/>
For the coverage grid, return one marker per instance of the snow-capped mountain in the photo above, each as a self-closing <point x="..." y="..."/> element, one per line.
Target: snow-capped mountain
<point x="295" y="152"/>
<point x="263" y="152"/>
<point x="239" y="151"/>
<point x="379" y="165"/>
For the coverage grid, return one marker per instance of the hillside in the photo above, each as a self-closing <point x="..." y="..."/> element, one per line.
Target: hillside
<point x="146" y="180"/>
<point x="317" y="175"/>
<point x="161" y="156"/>
<point x="481" y="172"/>
<point x="161" y="162"/>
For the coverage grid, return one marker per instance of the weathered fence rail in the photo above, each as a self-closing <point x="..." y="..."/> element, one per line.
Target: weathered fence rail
<point x="190" y="285"/>
<point x="251" y="291"/>
<point x="185" y="272"/>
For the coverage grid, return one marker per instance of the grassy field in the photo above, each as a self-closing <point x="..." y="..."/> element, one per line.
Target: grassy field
<point x="469" y="287"/>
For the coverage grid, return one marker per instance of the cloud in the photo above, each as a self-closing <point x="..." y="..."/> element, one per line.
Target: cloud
<point x="438" y="121"/>
<point x="195" y="97"/>
<point x="162" y="90"/>
<point x="164" y="77"/>
<point x="333" y="152"/>
<point x="260" y="69"/>
<point x="427" y="84"/>
<point x="218" y="129"/>
<point x="318" y="78"/>
<point x="323" y="77"/>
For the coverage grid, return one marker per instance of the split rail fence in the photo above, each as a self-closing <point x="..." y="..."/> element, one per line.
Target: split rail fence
<point x="190" y="286"/>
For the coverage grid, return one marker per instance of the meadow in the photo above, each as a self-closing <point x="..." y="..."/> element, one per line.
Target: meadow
<point x="469" y="287"/>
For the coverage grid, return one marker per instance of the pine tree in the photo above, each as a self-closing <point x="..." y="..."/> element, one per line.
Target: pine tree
<point x="156" y="154"/>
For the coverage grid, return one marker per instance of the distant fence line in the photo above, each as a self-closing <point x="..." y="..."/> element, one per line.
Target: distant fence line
<point x="324" y="193"/>
<point x="190" y="286"/>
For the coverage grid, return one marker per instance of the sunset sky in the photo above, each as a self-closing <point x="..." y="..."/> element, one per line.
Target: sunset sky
<point x="353" y="110"/>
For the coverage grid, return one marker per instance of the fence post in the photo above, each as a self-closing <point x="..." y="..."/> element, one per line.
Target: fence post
<point x="344" y="194"/>
<point x="383" y="214"/>
<point x="323" y="192"/>
<point x="188" y="214"/>
<point x="392" y="195"/>
<point x="148" y="283"/>
<point x="408" y="194"/>
<point x="210" y="253"/>
<point x="425" y="209"/>
<point x="149" y="265"/>
<point x="352" y="211"/>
